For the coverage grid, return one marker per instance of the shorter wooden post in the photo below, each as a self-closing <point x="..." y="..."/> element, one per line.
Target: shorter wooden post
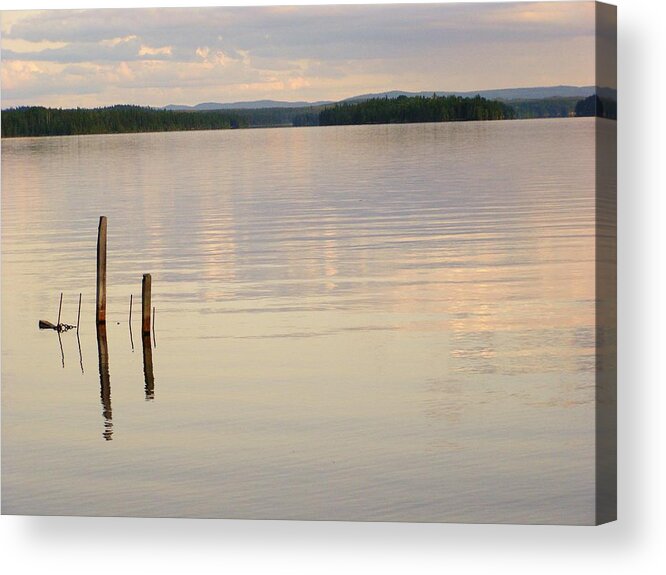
<point x="145" y="304"/>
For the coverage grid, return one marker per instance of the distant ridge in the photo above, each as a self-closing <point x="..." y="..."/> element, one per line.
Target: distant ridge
<point x="498" y="94"/>
<point x="253" y="105"/>
<point x="537" y="93"/>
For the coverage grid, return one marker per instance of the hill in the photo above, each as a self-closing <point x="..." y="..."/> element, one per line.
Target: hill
<point x="252" y="105"/>
<point x="505" y="94"/>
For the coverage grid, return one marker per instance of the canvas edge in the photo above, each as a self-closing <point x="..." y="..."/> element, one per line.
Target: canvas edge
<point x="605" y="272"/>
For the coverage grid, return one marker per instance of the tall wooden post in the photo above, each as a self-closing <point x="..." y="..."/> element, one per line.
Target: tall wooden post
<point x="101" y="271"/>
<point x="145" y="304"/>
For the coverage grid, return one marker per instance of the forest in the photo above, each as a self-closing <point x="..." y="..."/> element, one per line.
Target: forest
<point x="544" y="108"/>
<point x="39" y="121"/>
<point x="597" y="106"/>
<point x="415" y="109"/>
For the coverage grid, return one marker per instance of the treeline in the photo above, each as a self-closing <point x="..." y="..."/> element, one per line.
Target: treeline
<point x="274" y="117"/>
<point x="597" y="106"/>
<point x="39" y="121"/>
<point x="544" y="108"/>
<point x="405" y="109"/>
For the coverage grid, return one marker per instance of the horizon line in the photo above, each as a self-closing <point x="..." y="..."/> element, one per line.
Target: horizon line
<point x="332" y="101"/>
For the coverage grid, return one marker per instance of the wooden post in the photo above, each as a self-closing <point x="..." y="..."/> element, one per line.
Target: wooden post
<point x="145" y="304"/>
<point x="101" y="271"/>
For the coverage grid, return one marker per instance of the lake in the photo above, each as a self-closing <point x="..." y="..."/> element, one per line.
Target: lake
<point x="385" y="323"/>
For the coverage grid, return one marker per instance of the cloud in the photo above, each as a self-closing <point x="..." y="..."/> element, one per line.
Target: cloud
<point x="91" y="52"/>
<point x="315" y="51"/>
<point x="148" y="51"/>
<point x="116" y="41"/>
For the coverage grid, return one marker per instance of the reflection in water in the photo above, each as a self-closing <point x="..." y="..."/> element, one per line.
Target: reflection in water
<point x="148" y="367"/>
<point x="78" y="341"/>
<point x="62" y="351"/>
<point x="104" y="381"/>
<point x="406" y="313"/>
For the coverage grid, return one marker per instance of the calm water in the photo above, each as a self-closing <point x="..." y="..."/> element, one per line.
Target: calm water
<point x="366" y="322"/>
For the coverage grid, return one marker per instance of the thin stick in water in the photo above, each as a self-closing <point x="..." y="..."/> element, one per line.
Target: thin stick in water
<point x="154" y="340"/>
<point x="78" y="316"/>
<point x="130" y="323"/>
<point x="59" y="310"/>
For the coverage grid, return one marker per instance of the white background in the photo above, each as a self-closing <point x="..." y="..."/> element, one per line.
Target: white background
<point x="634" y="544"/>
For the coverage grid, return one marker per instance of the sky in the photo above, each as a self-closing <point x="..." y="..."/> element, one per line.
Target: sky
<point x="160" y="56"/>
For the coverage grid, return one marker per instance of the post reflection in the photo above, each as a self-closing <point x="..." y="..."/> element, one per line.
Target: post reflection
<point x="104" y="381"/>
<point x="62" y="351"/>
<point x="148" y="367"/>
<point x="78" y="341"/>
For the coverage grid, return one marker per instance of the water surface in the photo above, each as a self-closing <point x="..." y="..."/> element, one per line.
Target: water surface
<point x="361" y="323"/>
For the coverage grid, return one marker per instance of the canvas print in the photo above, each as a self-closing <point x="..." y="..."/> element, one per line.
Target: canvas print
<point x="328" y="262"/>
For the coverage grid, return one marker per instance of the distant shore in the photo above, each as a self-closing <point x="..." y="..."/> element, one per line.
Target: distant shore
<point x="37" y="121"/>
